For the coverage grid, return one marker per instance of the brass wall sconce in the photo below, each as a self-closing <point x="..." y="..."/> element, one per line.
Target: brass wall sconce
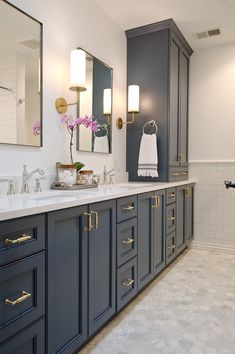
<point x="77" y="79"/>
<point x="133" y="105"/>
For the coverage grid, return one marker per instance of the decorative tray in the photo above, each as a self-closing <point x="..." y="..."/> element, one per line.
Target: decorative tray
<point x="63" y="186"/>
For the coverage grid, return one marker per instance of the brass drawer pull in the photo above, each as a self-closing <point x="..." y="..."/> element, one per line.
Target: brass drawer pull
<point x="157" y="201"/>
<point x="179" y="173"/>
<point x="188" y="192"/>
<point x="96" y="220"/>
<point x="171" y="247"/>
<point x="89" y="227"/>
<point x="171" y="195"/>
<point x="24" y="297"/>
<point x="128" y="282"/>
<point x="128" y="241"/>
<point x="128" y="208"/>
<point x="21" y="239"/>
<point x="171" y="218"/>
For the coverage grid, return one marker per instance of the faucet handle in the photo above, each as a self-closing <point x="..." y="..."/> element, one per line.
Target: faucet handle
<point x="38" y="187"/>
<point x="10" y="181"/>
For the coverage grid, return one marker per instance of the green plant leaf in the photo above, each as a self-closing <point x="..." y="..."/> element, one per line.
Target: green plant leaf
<point x="79" y="165"/>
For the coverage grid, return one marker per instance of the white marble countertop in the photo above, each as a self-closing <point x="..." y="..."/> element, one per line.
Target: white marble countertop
<point x="20" y="205"/>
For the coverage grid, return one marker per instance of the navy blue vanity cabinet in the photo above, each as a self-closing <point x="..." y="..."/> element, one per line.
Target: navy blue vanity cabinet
<point x="159" y="235"/>
<point x="67" y="255"/>
<point x="158" y="61"/>
<point x="101" y="264"/>
<point x="29" y="341"/>
<point x="184" y="212"/>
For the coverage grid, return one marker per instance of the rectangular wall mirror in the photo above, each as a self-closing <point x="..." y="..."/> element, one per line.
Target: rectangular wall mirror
<point x="20" y="77"/>
<point x="96" y="101"/>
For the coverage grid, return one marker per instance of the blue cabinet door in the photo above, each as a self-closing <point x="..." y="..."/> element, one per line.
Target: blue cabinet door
<point x="102" y="264"/>
<point x="67" y="280"/>
<point x="180" y="219"/>
<point x="159" y="236"/>
<point x="145" y="239"/>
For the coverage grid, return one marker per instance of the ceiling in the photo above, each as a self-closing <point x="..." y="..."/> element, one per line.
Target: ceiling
<point x="191" y="16"/>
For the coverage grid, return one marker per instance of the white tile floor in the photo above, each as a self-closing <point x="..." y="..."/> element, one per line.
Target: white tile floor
<point x="189" y="309"/>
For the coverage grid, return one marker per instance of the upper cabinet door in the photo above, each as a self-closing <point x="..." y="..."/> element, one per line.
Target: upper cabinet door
<point x="102" y="264"/>
<point x="184" y="91"/>
<point x="67" y="280"/>
<point x="174" y="102"/>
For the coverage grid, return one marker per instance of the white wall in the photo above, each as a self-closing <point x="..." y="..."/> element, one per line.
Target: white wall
<point x="212" y="143"/>
<point x="212" y="104"/>
<point x="68" y="25"/>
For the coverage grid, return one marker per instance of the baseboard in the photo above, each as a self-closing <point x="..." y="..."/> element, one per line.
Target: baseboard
<point x="213" y="247"/>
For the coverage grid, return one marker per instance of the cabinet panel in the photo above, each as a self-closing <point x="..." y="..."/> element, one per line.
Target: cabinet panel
<point x="126" y="283"/>
<point x="145" y="239"/>
<point x="67" y="280"/>
<point x="21" y="237"/>
<point x="170" y="247"/>
<point x="126" y="241"/>
<point x="174" y="102"/>
<point x="22" y="295"/>
<point x="159" y="233"/>
<point x="102" y="265"/>
<point x="184" y="92"/>
<point x="190" y="213"/>
<point x="181" y="219"/>
<point x="29" y="341"/>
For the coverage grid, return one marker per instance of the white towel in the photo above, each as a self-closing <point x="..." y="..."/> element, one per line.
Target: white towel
<point x="101" y="144"/>
<point x="148" y="156"/>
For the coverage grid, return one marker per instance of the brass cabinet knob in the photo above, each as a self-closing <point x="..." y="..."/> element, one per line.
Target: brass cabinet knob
<point x="128" y="282"/>
<point x="171" y="218"/>
<point x="128" y="241"/>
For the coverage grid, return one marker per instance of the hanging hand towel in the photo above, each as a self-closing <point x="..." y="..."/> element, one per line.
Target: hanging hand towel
<point x="101" y="144"/>
<point x="148" y="156"/>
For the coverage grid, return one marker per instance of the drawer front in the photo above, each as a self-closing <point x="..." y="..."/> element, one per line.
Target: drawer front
<point x="126" y="241"/>
<point x="21" y="237"/>
<point x="126" y="283"/>
<point x="170" y="218"/>
<point x="170" y="196"/>
<point x="170" y="247"/>
<point x="178" y="174"/>
<point x="126" y="208"/>
<point x="29" y="341"/>
<point x="22" y="295"/>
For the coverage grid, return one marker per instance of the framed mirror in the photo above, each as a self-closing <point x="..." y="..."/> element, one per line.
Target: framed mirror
<point x="96" y="101"/>
<point x="20" y="77"/>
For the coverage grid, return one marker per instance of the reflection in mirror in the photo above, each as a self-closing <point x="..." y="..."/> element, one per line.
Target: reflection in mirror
<point x="96" y="101"/>
<point x="20" y="77"/>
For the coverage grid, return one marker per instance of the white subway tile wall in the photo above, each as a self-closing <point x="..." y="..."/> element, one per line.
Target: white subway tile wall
<point x="8" y="126"/>
<point x="214" y="204"/>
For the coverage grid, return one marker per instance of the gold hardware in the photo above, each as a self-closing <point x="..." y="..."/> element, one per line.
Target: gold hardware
<point x="181" y="158"/>
<point x="24" y="297"/>
<point x="89" y="227"/>
<point x="171" y="195"/>
<point x="21" y="239"/>
<point x="188" y="191"/>
<point x="120" y="122"/>
<point x="171" y="246"/>
<point x="96" y="220"/>
<point x="179" y="173"/>
<point x="128" y="208"/>
<point x="128" y="282"/>
<point x="61" y="104"/>
<point x="128" y="241"/>
<point x="157" y="201"/>
<point x="171" y="218"/>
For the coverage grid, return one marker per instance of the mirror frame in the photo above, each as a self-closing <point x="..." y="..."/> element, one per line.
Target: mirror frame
<point x="111" y="116"/>
<point x="41" y="76"/>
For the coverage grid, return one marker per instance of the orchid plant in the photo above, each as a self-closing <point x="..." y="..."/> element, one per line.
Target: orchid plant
<point x="72" y="124"/>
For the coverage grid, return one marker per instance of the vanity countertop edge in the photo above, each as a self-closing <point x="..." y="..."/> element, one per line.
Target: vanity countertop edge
<point x="20" y="205"/>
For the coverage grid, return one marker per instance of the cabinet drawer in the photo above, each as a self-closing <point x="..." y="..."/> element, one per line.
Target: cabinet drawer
<point x="170" y="218"/>
<point x="126" y="208"/>
<point x="178" y="174"/>
<point x="170" y="247"/>
<point x="126" y="283"/>
<point x="29" y="341"/>
<point x="22" y="296"/>
<point x="21" y="237"/>
<point x="170" y="196"/>
<point x="126" y="241"/>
